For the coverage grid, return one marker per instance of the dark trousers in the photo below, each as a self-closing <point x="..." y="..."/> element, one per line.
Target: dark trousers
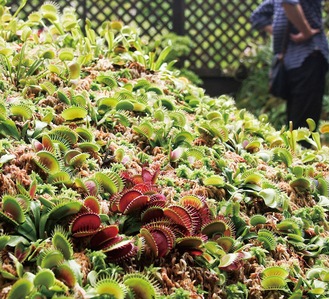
<point x="306" y="85"/>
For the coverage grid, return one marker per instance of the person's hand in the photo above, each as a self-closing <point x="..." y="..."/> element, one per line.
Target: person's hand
<point x="303" y="37"/>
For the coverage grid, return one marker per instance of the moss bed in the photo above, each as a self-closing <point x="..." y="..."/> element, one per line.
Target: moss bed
<point x="121" y="179"/>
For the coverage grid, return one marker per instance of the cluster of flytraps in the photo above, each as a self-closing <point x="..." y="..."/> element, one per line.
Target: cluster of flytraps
<point x="106" y="156"/>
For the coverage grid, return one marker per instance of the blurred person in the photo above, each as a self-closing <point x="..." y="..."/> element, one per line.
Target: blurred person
<point x="306" y="56"/>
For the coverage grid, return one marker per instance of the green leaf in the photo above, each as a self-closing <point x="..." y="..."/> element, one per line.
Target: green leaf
<point x="6" y="158"/>
<point x="270" y="197"/>
<point x="28" y="230"/>
<point x="21" y="289"/>
<point x="162" y="57"/>
<point x="8" y="128"/>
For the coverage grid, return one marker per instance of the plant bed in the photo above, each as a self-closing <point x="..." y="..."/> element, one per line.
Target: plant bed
<point x="121" y="179"/>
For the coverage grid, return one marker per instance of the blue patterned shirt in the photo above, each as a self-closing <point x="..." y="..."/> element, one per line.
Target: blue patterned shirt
<point x="272" y="12"/>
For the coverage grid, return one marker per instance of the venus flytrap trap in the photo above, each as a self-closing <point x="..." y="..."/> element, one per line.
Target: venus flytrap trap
<point x="274" y="278"/>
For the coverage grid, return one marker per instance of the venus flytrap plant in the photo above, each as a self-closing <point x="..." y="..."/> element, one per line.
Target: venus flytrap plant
<point x="108" y="33"/>
<point x="314" y="283"/>
<point x="154" y="63"/>
<point x="21" y="288"/>
<point x="292" y="137"/>
<point x="9" y="22"/>
<point x="70" y="22"/>
<point x="108" y="286"/>
<point x="20" y="69"/>
<point x="50" y="12"/>
<point x="71" y="66"/>
<point x="313" y="216"/>
<point x="237" y="291"/>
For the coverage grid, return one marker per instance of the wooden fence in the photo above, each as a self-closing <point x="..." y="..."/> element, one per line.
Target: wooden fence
<point x="220" y="29"/>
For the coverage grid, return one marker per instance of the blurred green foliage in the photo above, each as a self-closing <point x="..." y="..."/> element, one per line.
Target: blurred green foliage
<point x="181" y="47"/>
<point x="253" y="94"/>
